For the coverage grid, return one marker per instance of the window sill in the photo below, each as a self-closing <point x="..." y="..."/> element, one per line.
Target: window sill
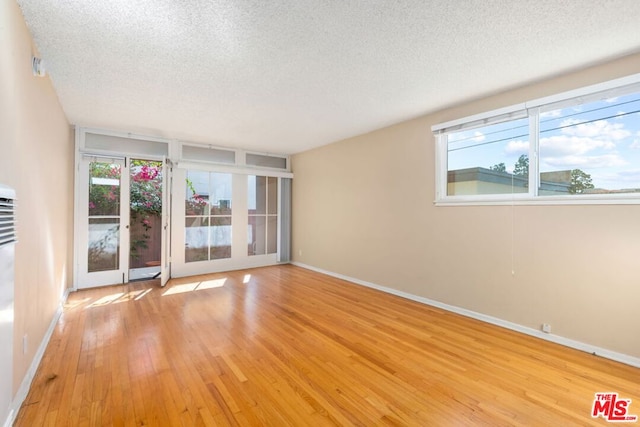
<point x="627" y="199"/>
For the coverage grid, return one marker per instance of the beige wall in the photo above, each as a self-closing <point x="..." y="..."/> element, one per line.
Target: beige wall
<point x="363" y="207"/>
<point x="36" y="155"/>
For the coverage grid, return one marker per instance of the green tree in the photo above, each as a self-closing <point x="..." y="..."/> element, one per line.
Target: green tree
<point x="522" y="166"/>
<point x="499" y="167"/>
<point x="580" y="181"/>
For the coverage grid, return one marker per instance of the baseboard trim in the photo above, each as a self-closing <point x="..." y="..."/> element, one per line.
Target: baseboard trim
<point x="599" y="351"/>
<point x="21" y="395"/>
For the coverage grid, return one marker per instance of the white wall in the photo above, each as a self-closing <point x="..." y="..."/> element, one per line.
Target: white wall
<point x="36" y="159"/>
<point x="363" y="208"/>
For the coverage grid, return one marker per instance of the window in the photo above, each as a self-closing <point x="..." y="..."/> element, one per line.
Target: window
<point x="591" y="148"/>
<point x="582" y="145"/>
<point x="208" y="154"/>
<point x="483" y="160"/>
<point x="262" y="160"/>
<point x="207" y="216"/>
<point x="262" y="232"/>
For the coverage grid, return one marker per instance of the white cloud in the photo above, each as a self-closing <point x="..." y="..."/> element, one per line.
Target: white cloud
<point x="478" y="136"/>
<point x="585" y="143"/>
<point x="467" y="136"/>
<point x="572" y="145"/>
<point x="552" y="113"/>
<point x="635" y="145"/>
<point x="601" y="129"/>
<point x="517" y="147"/>
<point x="585" y="162"/>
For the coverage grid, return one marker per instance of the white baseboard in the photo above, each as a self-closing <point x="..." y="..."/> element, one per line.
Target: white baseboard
<point x="18" y="399"/>
<point x="599" y="351"/>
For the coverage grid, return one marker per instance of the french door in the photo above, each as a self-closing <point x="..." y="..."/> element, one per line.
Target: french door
<point x="103" y="240"/>
<point x="123" y="221"/>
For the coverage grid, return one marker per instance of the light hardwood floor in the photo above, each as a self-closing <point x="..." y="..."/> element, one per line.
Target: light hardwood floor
<point x="286" y="346"/>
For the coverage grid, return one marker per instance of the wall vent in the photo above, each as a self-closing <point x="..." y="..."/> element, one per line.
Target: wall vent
<point x="7" y="257"/>
<point x="7" y="216"/>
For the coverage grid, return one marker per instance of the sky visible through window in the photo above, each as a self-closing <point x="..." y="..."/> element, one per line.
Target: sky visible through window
<point x="600" y="138"/>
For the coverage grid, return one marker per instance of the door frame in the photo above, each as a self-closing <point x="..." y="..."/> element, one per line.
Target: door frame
<point x="109" y="144"/>
<point x="165" y="247"/>
<point x="84" y="278"/>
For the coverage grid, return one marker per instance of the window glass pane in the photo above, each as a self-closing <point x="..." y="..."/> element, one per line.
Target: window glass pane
<point x="266" y="161"/>
<point x="145" y="233"/>
<point x="256" y="235"/>
<point x="272" y="234"/>
<point x="104" y="189"/>
<point x="272" y="189"/>
<point x="208" y="216"/>
<point x="220" y="235"/>
<point x="197" y="195"/>
<point x="125" y="145"/>
<point x="207" y="154"/>
<point x="104" y="217"/>
<point x="257" y="195"/>
<point x="220" y="199"/>
<point x="489" y="160"/>
<point x="196" y="239"/>
<point x="104" y="244"/>
<point x="592" y="148"/>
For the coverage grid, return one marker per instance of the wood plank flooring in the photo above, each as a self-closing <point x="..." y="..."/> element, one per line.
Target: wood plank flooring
<point x="282" y="346"/>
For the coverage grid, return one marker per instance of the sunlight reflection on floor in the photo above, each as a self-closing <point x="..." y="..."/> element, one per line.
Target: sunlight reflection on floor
<point x="195" y="286"/>
<point x="119" y="297"/>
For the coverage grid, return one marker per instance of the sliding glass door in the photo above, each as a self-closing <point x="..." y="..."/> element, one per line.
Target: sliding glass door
<point x="231" y="221"/>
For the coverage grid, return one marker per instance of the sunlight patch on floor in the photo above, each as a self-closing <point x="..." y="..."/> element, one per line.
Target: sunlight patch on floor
<point x="195" y="286"/>
<point x="107" y="299"/>
<point x="119" y="297"/>
<point x="142" y="294"/>
<point x="75" y="303"/>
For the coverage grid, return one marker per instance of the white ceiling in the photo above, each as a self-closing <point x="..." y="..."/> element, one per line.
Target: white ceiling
<point x="288" y="75"/>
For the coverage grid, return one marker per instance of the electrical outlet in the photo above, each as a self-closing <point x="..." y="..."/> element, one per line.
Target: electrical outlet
<point x="299" y="252"/>
<point x="546" y="328"/>
<point x="24" y="344"/>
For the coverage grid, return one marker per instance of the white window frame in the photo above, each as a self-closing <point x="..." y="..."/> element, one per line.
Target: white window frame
<point x="531" y="109"/>
<point x="239" y="257"/>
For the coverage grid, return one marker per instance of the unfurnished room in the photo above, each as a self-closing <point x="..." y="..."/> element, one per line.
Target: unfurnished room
<point x="310" y="213"/>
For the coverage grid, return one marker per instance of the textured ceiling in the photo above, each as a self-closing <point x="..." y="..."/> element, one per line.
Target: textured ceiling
<point x="285" y="76"/>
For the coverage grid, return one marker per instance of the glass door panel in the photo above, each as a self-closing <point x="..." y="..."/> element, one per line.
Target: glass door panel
<point x="262" y="230"/>
<point x="103" y="218"/>
<point x="196" y="239"/>
<point x="104" y="244"/>
<point x="208" y="216"/>
<point x="146" y="205"/>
